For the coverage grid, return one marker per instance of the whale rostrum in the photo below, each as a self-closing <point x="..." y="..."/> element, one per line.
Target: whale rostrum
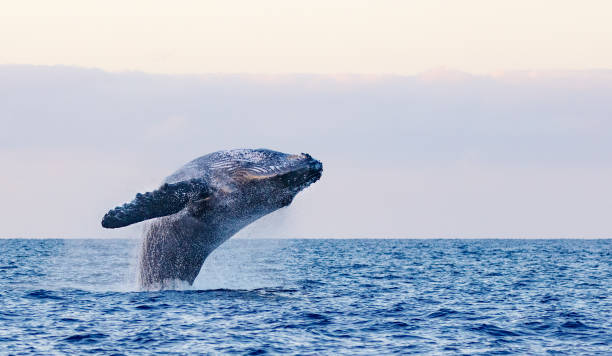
<point x="204" y="203"/>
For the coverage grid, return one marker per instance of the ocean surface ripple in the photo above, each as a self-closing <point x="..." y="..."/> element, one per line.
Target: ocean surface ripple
<point x="313" y="297"/>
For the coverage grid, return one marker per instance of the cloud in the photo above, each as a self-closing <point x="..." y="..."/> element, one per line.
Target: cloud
<point x="512" y="154"/>
<point x="173" y="126"/>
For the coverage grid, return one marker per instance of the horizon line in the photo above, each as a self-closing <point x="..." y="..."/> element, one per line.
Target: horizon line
<point x="331" y="238"/>
<point x="435" y="70"/>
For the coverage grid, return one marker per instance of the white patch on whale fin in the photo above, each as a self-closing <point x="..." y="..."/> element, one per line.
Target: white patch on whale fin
<point x="167" y="200"/>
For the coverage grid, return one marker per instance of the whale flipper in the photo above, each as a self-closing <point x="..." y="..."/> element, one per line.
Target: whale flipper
<point x="168" y="199"/>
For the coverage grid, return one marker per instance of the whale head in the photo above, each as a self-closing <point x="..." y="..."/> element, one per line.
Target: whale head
<point x="263" y="178"/>
<point x="241" y="184"/>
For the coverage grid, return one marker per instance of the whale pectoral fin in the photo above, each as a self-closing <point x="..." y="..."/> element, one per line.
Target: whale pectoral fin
<point x="167" y="200"/>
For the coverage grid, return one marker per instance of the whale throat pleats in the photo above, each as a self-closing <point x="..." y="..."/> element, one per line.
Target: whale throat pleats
<point x="168" y="199"/>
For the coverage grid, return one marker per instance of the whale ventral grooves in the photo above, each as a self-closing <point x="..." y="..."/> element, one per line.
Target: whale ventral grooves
<point x="204" y="203"/>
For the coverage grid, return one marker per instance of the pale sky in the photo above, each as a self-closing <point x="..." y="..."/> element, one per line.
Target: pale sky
<point x="444" y="154"/>
<point x="280" y="36"/>
<point x="432" y="118"/>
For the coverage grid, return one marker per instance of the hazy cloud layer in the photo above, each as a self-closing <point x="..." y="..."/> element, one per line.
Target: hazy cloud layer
<point x="443" y="154"/>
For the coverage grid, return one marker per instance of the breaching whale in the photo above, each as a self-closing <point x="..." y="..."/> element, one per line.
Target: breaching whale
<point x="206" y="202"/>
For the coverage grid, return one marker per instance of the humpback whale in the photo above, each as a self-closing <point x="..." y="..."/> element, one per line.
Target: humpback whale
<point x="206" y="202"/>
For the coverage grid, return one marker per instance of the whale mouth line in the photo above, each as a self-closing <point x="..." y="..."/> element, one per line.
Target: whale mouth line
<point x="302" y="180"/>
<point x="294" y="189"/>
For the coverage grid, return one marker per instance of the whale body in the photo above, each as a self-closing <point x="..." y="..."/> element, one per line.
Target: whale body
<point x="206" y="202"/>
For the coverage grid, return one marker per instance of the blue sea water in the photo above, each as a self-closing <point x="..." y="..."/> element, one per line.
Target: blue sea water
<point x="313" y="297"/>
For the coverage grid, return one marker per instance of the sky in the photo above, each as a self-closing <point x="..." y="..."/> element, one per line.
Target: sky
<point x="433" y="119"/>
<point x="324" y="37"/>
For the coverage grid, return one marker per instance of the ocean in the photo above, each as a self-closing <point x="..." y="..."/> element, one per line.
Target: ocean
<point x="313" y="297"/>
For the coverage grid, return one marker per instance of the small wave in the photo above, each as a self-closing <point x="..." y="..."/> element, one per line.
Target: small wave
<point x="315" y="316"/>
<point x="43" y="294"/>
<point x="85" y="338"/>
<point x="70" y="320"/>
<point x="309" y="283"/>
<point x="265" y="290"/>
<point x="548" y="298"/>
<point x="493" y="330"/>
<point x="442" y="313"/>
<point x="575" y="324"/>
<point x="537" y="325"/>
<point x="399" y="324"/>
<point x="145" y="307"/>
